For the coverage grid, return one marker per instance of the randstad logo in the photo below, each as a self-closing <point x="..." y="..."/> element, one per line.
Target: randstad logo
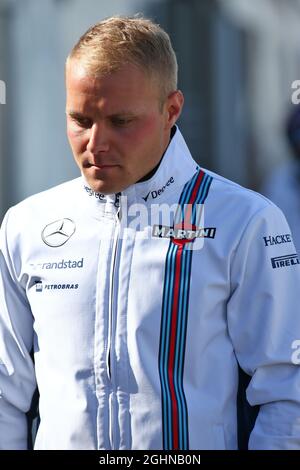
<point x="158" y="192"/>
<point x="2" y="92"/>
<point x="70" y="264"/>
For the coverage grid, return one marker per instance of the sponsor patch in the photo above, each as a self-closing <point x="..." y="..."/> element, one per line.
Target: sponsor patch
<point x="285" y="261"/>
<point x="57" y="233"/>
<point x="91" y="192"/>
<point x="40" y="287"/>
<point x="277" y="239"/>
<point x="157" y="192"/>
<point x="183" y="233"/>
<point x="62" y="264"/>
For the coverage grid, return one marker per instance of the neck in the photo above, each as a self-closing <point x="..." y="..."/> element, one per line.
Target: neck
<point x="154" y="170"/>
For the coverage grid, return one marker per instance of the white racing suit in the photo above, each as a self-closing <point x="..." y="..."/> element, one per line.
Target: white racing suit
<point x="139" y="324"/>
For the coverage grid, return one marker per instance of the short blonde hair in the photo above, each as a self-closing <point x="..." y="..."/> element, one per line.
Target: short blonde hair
<point x="119" y="40"/>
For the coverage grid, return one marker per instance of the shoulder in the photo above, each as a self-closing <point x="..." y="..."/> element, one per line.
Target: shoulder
<point x="61" y="194"/>
<point x="41" y="206"/>
<point x="233" y="194"/>
<point x="52" y="195"/>
<point x="239" y="211"/>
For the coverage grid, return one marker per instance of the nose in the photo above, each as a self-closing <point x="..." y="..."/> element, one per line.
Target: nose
<point x="98" y="139"/>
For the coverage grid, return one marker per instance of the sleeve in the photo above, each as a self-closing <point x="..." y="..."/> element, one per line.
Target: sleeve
<point x="264" y="325"/>
<point x="17" y="376"/>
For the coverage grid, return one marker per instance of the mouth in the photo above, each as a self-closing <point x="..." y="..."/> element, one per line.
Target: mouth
<point x="100" y="166"/>
<point x="104" y="166"/>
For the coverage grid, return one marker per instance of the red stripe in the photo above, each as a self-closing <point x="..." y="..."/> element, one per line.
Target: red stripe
<point x="172" y="347"/>
<point x="196" y="187"/>
<point x="189" y="205"/>
<point x="174" y="319"/>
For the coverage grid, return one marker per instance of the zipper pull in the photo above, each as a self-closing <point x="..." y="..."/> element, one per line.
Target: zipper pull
<point x="118" y="205"/>
<point x="117" y="200"/>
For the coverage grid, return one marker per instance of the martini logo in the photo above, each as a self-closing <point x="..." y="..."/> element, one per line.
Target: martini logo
<point x="183" y="233"/>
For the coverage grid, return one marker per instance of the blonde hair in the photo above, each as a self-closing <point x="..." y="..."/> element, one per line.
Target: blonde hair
<point x="117" y="41"/>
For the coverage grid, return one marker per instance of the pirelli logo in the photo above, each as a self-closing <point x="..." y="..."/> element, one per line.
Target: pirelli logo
<point x="284" y="261"/>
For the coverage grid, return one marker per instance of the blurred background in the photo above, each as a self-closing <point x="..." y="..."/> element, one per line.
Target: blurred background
<point x="237" y="62"/>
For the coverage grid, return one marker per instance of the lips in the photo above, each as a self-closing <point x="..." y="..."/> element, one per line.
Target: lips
<point x="103" y="167"/>
<point x="99" y="166"/>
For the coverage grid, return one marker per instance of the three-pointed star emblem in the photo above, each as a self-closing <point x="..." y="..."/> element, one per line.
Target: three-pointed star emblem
<point x="58" y="233"/>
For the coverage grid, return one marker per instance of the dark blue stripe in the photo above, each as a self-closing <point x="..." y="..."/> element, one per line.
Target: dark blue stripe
<point x="180" y="348"/>
<point x="187" y="191"/>
<point x="182" y="319"/>
<point x="178" y="353"/>
<point x="201" y="196"/>
<point x="165" y="341"/>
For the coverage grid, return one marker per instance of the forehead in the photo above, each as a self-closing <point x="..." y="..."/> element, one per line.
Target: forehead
<point x="127" y="86"/>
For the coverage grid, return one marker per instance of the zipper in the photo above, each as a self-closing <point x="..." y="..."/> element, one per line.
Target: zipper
<point x="117" y="200"/>
<point x="112" y="322"/>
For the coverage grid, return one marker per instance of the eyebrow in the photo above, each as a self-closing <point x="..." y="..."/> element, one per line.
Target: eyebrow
<point x="75" y="114"/>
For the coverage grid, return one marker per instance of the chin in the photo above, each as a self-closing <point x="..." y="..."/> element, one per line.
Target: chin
<point x="102" y="187"/>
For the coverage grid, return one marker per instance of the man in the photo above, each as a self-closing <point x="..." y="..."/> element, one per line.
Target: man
<point x="143" y="285"/>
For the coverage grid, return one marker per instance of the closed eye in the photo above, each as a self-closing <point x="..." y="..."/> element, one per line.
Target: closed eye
<point x="83" y="122"/>
<point x="80" y="120"/>
<point x="121" y="122"/>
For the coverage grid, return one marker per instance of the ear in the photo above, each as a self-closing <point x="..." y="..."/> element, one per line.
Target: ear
<point x="174" y="107"/>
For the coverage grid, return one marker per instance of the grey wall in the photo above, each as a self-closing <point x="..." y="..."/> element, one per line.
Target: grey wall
<point x="4" y="110"/>
<point x="35" y="38"/>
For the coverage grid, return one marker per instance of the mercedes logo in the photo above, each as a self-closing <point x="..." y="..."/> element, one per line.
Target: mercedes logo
<point x="58" y="233"/>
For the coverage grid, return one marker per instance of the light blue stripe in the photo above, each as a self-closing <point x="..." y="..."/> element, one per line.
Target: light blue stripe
<point x="183" y="325"/>
<point x="185" y="209"/>
<point x="163" y="350"/>
<point x="201" y="196"/>
<point x="177" y="350"/>
<point x="182" y="320"/>
<point x="167" y="314"/>
<point x="183" y="339"/>
<point x="187" y="191"/>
